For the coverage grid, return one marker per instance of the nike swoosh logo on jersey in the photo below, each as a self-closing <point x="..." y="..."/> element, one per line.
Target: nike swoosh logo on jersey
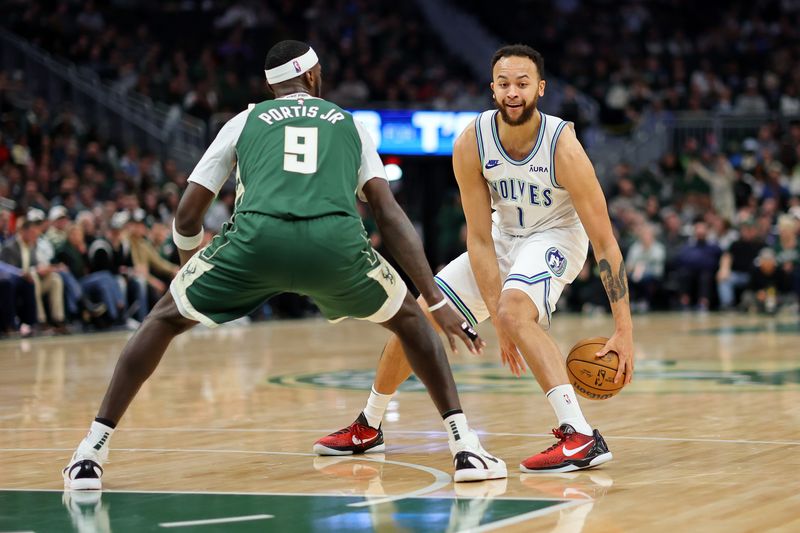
<point x="570" y="453"/>
<point x="492" y="163"/>
<point x="359" y="442"/>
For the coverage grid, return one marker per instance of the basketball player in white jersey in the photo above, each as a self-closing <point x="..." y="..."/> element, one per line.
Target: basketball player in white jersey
<point x="530" y="169"/>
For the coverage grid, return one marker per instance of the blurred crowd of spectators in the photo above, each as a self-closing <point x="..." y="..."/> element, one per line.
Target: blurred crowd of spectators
<point x="633" y="59"/>
<point x="84" y="226"/>
<point x="704" y="229"/>
<point x="637" y="56"/>
<point x="370" y="51"/>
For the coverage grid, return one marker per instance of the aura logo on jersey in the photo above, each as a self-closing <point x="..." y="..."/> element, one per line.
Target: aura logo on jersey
<point x="556" y="261"/>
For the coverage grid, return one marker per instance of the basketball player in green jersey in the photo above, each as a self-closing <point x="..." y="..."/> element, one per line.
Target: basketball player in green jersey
<point x="532" y="203"/>
<point x="295" y="228"/>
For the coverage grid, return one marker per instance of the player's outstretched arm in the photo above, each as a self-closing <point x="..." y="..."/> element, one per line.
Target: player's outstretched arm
<point x="207" y="178"/>
<point x="402" y="241"/>
<point x="477" y="207"/>
<point x="575" y="173"/>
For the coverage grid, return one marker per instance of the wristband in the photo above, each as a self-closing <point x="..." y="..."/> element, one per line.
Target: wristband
<point x="186" y="243"/>
<point x="439" y="305"/>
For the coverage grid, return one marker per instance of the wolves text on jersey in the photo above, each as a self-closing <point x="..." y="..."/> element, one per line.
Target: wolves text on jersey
<point x="522" y="192"/>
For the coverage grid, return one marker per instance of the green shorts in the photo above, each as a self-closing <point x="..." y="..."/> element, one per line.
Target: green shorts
<point x="256" y="257"/>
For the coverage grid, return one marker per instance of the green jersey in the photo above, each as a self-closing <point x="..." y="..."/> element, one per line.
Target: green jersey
<point x="299" y="163"/>
<point x="297" y="157"/>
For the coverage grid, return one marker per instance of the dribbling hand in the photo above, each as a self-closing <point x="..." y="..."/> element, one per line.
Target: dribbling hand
<point x="622" y="343"/>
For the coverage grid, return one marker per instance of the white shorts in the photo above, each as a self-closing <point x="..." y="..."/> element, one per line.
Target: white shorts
<point x="540" y="265"/>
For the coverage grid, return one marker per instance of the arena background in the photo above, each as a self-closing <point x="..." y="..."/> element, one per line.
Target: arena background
<point x="684" y="111"/>
<point x="690" y="113"/>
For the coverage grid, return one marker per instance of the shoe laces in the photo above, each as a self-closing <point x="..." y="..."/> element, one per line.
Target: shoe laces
<point x="355" y="428"/>
<point x="359" y="430"/>
<point x="559" y="434"/>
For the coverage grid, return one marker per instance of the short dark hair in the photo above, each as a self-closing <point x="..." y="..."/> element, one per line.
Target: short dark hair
<point x="520" y="50"/>
<point x="284" y="52"/>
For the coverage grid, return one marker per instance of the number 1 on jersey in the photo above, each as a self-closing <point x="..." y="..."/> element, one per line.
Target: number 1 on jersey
<point x="300" y="150"/>
<point x="521" y="217"/>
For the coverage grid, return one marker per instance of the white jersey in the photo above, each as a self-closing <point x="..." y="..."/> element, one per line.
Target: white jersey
<point x="526" y="197"/>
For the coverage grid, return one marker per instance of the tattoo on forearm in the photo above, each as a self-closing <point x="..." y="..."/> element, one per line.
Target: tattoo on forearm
<point x="616" y="286"/>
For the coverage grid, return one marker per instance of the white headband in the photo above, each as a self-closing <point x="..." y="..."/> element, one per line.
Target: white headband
<point x="292" y="69"/>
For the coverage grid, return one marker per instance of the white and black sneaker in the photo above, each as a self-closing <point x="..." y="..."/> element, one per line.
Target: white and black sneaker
<point x="82" y="474"/>
<point x="473" y="463"/>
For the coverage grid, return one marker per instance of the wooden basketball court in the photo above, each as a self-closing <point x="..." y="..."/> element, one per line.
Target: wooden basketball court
<point x="706" y="438"/>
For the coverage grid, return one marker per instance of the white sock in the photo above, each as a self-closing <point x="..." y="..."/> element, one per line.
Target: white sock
<point x="565" y="404"/>
<point x="457" y="430"/>
<point x="376" y="406"/>
<point x="95" y="444"/>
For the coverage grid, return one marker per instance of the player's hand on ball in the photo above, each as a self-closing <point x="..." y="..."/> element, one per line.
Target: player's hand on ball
<point x="453" y="325"/>
<point x="622" y="343"/>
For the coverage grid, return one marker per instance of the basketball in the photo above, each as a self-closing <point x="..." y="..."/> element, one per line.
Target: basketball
<point x="591" y="377"/>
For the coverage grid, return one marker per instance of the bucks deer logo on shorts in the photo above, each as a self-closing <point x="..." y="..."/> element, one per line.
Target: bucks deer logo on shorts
<point x="387" y="274"/>
<point x="189" y="271"/>
<point x="556" y="261"/>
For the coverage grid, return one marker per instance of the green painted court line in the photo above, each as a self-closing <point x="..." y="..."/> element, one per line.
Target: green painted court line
<point x="124" y="512"/>
<point x="666" y="377"/>
<point x="781" y="328"/>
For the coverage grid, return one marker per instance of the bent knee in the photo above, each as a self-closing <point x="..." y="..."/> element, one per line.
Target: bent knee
<point x="516" y="310"/>
<point x="166" y="312"/>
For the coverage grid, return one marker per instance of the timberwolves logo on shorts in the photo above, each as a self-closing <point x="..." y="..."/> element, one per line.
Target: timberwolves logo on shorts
<point x="556" y="261"/>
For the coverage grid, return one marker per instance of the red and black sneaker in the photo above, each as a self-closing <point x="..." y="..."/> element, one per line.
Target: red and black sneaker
<point x="358" y="437"/>
<point x="573" y="451"/>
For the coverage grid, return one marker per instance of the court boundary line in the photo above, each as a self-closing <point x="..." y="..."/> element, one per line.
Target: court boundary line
<point x="417" y="432"/>
<point x="512" y="520"/>
<point x="222" y="520"/>
<point x="323" y="494"/>
<point x="441" y="479"/>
